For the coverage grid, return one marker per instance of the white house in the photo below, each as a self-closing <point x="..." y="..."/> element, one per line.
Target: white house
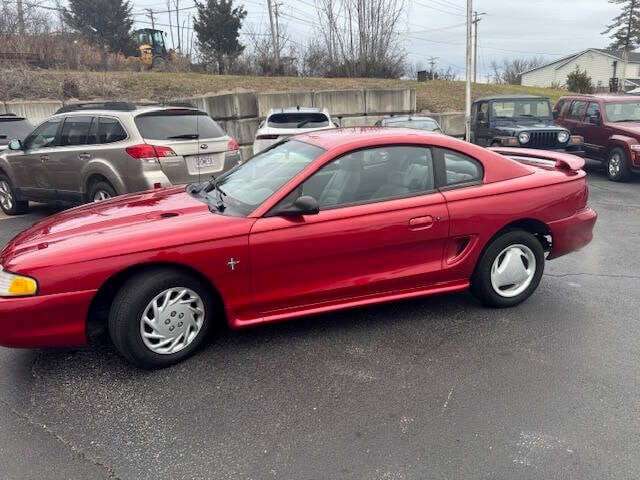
<point x="601" y="65"/>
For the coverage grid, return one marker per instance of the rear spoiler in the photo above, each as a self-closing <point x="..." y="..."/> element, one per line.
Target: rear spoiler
<point x="558" y="160"/>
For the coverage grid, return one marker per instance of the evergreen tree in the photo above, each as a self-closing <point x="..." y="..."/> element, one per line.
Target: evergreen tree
<point x="218" y="29"/>
<point x="625" y="28"/>
<point x="105" y="23"/>
<point x="579" y="81"/>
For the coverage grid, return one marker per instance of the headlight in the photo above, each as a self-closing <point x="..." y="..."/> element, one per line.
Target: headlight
<point x="524" y="137"/>
<point x="16" y="285"/>
<point x="563" y="137"/>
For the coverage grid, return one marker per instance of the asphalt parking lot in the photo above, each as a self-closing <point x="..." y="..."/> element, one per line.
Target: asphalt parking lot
<point x="437" y="388"/>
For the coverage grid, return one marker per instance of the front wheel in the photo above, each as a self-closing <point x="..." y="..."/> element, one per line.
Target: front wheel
<point x="509" y="270"/>
<point x="8" y="201"/>
<point x="617" y="165"/>
<point x="160" y="317"/>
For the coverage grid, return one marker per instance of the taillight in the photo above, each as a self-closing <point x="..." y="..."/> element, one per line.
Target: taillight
<point x="233" y="145"/>
<point x="267" y="137"/>
<point x="149" y="152"/>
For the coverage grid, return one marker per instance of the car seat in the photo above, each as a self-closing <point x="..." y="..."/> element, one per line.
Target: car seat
<point x="344" y="183"/>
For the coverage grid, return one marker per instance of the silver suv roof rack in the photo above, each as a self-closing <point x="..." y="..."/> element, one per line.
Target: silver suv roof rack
<point x="117" y="106"/>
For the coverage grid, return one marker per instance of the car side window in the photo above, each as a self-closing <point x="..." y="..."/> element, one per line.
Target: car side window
<point x="75" y="131"/>
<point x="372" y="175"/>
<point x="44" y="136"/>
<point x="459" y="169"/>
<point x="576" y="112"/>
<point x="110" y="130"/>
<point x="593" y="110"/>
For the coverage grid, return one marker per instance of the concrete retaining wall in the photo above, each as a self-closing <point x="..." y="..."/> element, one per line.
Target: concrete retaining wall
<point x="34" y="111"/>
<point x="452" y="123"/>
<point x="269" y="100"/>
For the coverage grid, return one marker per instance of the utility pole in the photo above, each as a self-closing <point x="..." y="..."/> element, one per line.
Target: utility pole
<point x="467" y="109"/>
<point x="625" y="51"/>
<point x="274" y="41"/>
<point x="276" y="14"/>
<point x="151" y="15"/>
<point x="476" y="19"/>
<point x="432" y="63"/>
<point x="20" y="17"/>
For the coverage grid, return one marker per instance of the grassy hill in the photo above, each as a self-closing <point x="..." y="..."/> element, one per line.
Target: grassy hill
<point x="435" y="96"/>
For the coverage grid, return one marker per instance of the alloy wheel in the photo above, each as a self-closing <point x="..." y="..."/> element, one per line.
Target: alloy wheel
<point x="6" y="195"/>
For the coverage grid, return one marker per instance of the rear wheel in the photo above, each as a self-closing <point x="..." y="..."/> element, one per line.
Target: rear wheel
<point x="8" y="200"/>
<point x="160" y="317"/>
<point x="617" y="165"/>
<point x="509" y="270"/>
<point x="101" y="191"/>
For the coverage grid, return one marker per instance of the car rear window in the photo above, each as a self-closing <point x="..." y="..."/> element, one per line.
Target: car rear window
<point x="177" y="125"/>
<point x="11" y="128"/>
<point x="298" y="120"/>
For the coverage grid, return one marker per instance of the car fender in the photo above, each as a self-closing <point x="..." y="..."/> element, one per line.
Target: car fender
<point x="103" y="168"/>
<point x="622" y="141"/>
<point x="5" y="167"/>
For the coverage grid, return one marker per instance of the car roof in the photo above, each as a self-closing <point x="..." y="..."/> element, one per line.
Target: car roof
<point x="360" y="136"/>
<point x="509" y="97"/>
<point x="11" y="117"/>
<point x="407" y="118"/>
<point x="298" y="110"/>
<point x="116" y="108"/>
<point x="611" y="97"/>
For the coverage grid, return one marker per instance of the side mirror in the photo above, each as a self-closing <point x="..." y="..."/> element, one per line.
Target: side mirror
<point x="480" y="117"/>
<point x="595" y="119"/>
<point x="304" y="205"/>
<point x="555" y="114"/>
<point x="15" y="144"/>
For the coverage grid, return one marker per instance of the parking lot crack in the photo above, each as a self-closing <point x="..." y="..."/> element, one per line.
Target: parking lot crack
<point x="110" y="474"/>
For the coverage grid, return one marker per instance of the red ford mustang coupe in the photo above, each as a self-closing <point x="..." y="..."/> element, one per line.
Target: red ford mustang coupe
<point x="319" y="222"/>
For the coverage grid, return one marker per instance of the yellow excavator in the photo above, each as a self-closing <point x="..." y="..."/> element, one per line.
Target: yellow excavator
<point x="151" y="49"/>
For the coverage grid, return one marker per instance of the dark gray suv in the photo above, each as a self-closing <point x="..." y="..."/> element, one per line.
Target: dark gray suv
<point x="91" y="152"/>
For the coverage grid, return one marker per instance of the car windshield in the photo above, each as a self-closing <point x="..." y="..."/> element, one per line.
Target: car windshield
<point x="11" y="128"/>
<point x="298" y="120"/>
<point x="623" y="112"/>
<point x="422" y="124"/>
<point x="179" y="124"/>
<point x="520" y="108"/>
<point x="245" y="187"/>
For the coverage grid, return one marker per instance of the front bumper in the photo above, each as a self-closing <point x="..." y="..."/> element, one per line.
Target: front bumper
<point x="572" y="233"/>
<point x="45" y="321"/>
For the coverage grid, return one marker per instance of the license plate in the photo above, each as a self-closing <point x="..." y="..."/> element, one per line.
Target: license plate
<point x="207" y="161"/>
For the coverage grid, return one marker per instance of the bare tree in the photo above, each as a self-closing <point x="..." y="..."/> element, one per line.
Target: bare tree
<point x="361" y="37"/>
<point x="510" y="70"/>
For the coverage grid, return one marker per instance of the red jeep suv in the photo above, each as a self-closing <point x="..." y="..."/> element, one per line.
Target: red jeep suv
<point x="610" y="125"/>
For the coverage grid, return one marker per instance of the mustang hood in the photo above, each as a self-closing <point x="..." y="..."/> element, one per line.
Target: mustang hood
<point x="130" y="223"/>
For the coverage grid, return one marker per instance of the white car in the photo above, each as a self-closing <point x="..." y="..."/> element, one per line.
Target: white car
<point x="286" y="122"/>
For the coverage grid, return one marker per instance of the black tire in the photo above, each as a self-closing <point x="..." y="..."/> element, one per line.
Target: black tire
<point x="102" y="188"/>
<point x="11" y="205"/>
<point x="481" y="281"/>
<point x="133" y="300"/>
<point x="617" y="165"/>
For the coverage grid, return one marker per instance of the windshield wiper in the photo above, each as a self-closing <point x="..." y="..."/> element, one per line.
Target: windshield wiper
<point x="213" y="185"/>
<point x="303" y="123"/>
<point x="627" y="120"/>
<point x="186" y="136"/>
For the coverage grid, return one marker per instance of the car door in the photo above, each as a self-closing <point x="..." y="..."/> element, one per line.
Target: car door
<point x="64" y="166"/>
<point x="29" y="164"/>
<point x="594" y="132"/>
<point x="482" y="134"/>
<point x="381" y="228"/>
<point x="574" y="118"/>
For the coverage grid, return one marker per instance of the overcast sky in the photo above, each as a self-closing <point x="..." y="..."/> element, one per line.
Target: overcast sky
<point x="510" y="28"/>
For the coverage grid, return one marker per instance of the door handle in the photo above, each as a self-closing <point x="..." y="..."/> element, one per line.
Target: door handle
<point x="44" y="158"/>
<point x="84" y="156"/>
<point x="421" y="223"/>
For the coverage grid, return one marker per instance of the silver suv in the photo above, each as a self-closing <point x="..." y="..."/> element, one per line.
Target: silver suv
<point x="91" y="152"/>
